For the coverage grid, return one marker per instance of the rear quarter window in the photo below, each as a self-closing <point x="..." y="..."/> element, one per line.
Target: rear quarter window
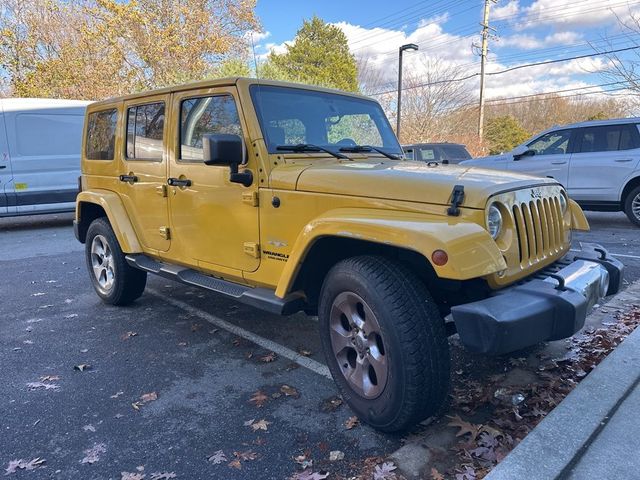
<point x="101" y="135"/>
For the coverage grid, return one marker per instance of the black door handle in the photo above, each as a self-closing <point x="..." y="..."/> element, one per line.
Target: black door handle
<point x="2" y="166"/>
<point x="128" y="178"/>
<point x="178" y="182"/>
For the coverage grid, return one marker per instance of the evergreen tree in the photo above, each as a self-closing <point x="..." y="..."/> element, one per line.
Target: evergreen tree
<point x="504" y="133"/>
<point x="318" y="55"/>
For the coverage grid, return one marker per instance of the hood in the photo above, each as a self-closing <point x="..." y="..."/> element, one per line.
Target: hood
<point x="408" y="181"/>
<point x="488" y="159"/>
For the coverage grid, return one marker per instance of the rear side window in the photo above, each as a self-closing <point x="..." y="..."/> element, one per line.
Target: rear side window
<point x="145" y="131"/>
<point x="50" y="135"/>
<point x="101" y="135"/>
<point x="607" y="138"/>
<point x="455" y="152"/>
<point x="204" y="116"/>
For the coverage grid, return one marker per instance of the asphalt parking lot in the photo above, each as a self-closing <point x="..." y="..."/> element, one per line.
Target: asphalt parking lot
<point x="172" y="379"/>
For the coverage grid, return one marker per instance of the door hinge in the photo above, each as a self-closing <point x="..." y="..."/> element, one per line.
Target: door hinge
<point x="250" y="198"/>
<point x="252" y="249"/>
<point x="165" y="232"/>
<point x="161" y="190"/>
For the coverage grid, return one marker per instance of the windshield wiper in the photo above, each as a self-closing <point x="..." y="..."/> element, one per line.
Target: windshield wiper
<point x="369" y="148"/>
<point x="308" y="147"/>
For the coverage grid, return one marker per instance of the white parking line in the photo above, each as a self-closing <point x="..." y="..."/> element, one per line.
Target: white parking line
<point x="281" y="350"/>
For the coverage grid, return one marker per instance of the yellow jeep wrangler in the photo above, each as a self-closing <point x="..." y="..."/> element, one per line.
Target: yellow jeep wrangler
<point x="294" y="198"/>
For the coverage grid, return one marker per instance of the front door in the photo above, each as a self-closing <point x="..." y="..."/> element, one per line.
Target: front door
<point x="143" y="172"/>
<point x="604" y="157"/>
<point x="214" y="222"/>
<point x="550" y="158"/>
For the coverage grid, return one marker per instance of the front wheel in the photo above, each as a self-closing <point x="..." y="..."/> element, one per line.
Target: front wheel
<point x="384" y="342"/>
<point x="632" y="206"/>
<point x="113" y="279"/>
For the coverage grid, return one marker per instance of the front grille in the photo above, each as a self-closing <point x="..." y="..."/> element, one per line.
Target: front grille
<point x="539" y="226"/>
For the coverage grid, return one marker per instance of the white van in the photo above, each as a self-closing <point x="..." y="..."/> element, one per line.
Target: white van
<point x="40" y="141"/>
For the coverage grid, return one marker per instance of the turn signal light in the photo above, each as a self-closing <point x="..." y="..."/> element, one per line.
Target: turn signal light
<point x="439" y="257"/>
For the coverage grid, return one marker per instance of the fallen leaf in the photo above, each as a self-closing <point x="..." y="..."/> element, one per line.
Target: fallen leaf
<point x="436" y="475"/>
<point x="82" y="367"/>
<point x="268" y="358"/>
<point x="246" y="455"/>
<point x="92" y="455"/>
<point x="21" y="464"/>
<point x="259" y="398"/>
<point x="249" y="422"/>
<point x="335" y="455"/>
<point x="38" y="294"/>
<point x="89" y="428"/>
<point x="136" y="405"/>
<point x="463" y="427"/>
<point x="384" y="471"/>
<point x="289" y="391"/>
<point x="310" y="475"/>
<point x="46" y="386"/>
<point x="235" y="464"/>
<point x="149" y="397"/>
<point x="303" y="461"/>
<point x="71" y="315"/>
<point x="182" y="344"/>
<point x="116" y="395"/>
<point x="195" y="327"/>
<point x="260" y="425"/>
<point x="132" y="476"/>
<point x="50" y="378"/>
<point x="330" y="404"/>
<point x="128" y="335"/>
<point x="468" y="474"/>
<point x="217" y="458"/>
<point x="162" y="476"/>
<point x="351" y="422"/>
<point x="304" y="352"/>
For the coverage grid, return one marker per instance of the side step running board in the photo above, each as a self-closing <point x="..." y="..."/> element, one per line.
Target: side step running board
<point x="261" y="298"/>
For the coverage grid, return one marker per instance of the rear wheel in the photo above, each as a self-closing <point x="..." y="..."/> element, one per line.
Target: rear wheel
<point x="113" y="279"/>
<point x="384" y="342"/>
<point x="632" y="205"/>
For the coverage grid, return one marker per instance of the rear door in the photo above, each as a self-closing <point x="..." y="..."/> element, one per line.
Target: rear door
<point x="551" y="157"/>
<point x="603" y="159"/>
<point x="44" y="146"/>
<point x="5" y="165"/>
<point x="143" y="173"/>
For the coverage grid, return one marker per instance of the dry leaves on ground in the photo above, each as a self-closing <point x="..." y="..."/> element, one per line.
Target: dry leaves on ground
<point x="242" y="457"/>
<point x="310" y="475"/>
<point x="289" y="391"/>
<point x="259" y="425"/>
<point x="21" y="464"/>
<point x="128" y="335"/>
<point x="92" y="455"/>
<point x="351" y="422"/>
<point x="82" y="367"/>
<point x="217" y="458"/>
<point x="46" y="386"/>
<point x="268" y="358"/>
<point x="259" y="398"/>
<point x="384" y="471"/>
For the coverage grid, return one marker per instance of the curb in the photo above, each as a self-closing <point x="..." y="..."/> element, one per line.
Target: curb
<point x="556" y="445"/>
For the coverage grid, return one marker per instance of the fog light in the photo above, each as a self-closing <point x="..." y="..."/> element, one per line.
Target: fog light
<point x="439" y="257"/>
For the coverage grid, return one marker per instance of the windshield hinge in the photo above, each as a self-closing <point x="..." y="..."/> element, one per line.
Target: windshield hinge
<point x="250" y="198"/>
<point x="457" y="197"/>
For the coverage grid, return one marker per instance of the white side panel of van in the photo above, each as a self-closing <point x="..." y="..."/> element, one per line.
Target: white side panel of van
<point x="45" y="156"/>
<point x="5" y="166"/>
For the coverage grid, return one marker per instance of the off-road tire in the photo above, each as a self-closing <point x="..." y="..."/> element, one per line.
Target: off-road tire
<point x="127" y="283"/>
<point x="633" y="200"/>
<point x="414" y="339"/>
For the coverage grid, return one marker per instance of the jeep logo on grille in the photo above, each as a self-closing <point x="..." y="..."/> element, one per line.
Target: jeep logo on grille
<point x="536" y="193"/>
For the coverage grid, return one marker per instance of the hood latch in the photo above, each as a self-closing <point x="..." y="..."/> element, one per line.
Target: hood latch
<point x="457" y="197"/>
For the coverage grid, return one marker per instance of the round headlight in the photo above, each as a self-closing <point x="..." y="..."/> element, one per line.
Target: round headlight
<point x="494" y="221"/>
<point x="563" y="203"/>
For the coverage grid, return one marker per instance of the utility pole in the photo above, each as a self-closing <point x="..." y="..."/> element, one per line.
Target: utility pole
<point x="483" y="60"/>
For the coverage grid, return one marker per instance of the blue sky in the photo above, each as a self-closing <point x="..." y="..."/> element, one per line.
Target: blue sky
<point x="446" y="30"/>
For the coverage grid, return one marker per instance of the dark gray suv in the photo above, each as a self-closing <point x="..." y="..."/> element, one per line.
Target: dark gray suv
<point x="436" y="152"/>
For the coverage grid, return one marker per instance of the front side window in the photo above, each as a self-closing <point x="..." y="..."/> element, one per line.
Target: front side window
<point x="553" y="143"/>
<point x="145" y="131"/>
<point x="290" y="116"/>
<point x="203" y="116"/>
<point x="101" y="135"/>
<point x="606" y="139"/>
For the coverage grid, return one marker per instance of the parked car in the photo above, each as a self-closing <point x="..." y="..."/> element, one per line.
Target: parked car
<point x="266" y="192"/>
<point x="437" y="152"/>
<point x="40" y="142"/>
<point x="597" y="161"/>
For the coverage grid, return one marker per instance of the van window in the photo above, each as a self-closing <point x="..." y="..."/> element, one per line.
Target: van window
<point x="49" y="135"/>
<point x="101" y="135"/>
<point x="145" y="132"/>
<point x="203" y="116"/>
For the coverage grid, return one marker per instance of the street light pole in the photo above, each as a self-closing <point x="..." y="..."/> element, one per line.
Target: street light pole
<point x="408" y="46"/>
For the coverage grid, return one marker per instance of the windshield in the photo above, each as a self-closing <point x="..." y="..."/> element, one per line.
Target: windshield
<point x="293" y="116"/>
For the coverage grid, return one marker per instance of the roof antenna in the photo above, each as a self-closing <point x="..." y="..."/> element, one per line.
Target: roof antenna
<point x="255" y="59"/>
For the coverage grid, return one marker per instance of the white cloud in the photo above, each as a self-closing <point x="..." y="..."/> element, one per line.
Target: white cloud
<point x="531" y="42"/>
<point x="575" y="13"/>
<point x="257" y="37"/>
<point x="500" y="12"/>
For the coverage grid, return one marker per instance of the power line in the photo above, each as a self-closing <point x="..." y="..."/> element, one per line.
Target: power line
<point x="510" y="69"/>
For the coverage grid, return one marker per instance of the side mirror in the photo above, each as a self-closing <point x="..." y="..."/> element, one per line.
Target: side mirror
<point x="226" y="149"/>
<point x="526" y="153"/>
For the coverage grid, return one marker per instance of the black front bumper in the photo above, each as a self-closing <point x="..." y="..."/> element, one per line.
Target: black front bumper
<point x="539" y="309"/>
